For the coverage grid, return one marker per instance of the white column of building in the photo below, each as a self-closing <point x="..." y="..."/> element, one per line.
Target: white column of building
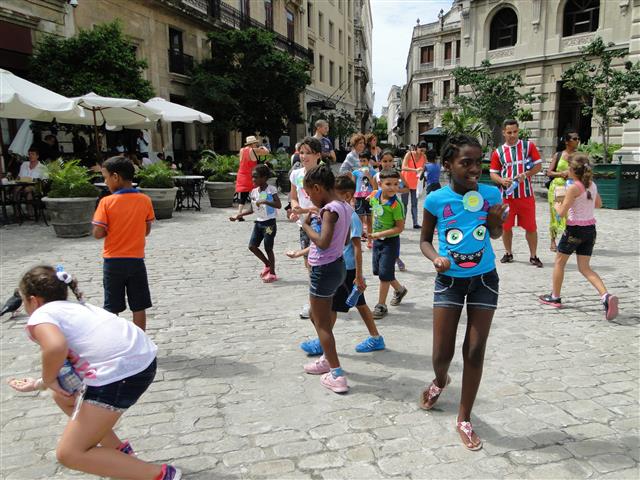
<point x="631" y="135"/>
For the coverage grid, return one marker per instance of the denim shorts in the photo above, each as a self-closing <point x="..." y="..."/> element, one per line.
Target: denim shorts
<point x="265" y="230"/>
<point x="120" y="395"/>
<point x="324" y="280"/>
<point x="385" y="253"/>
<point x="480" y="291"/>
<point x="125" y="275"/>
<point x="578" y="239"/>
<point x="363" y="207"/>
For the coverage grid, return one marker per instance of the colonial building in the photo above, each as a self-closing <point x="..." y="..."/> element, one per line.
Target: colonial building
<point x="433" y="54"/>
<point x="540" y="39"/>
<point x="172" y="34"/>
<point x="394" y="100"/>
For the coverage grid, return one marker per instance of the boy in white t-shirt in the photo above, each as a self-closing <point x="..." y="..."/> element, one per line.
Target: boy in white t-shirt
<point x="265" y="203"/>
<point x="95" y="359"/>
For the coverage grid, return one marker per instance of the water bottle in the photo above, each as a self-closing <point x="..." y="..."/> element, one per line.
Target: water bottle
<point x="569" y="182"/>
<point x="505" y="214"/>
<point x="315" y="224"/>
<point x="353" y="297"/>
<point x="68" y="379"/>
<point x="511" y="188"/>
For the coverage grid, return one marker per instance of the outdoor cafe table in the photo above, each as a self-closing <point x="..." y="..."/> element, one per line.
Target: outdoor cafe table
<point x="5" y="189"/>
<point x="189" y="191"/>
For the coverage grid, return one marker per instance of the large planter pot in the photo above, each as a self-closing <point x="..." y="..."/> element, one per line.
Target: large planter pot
<point x="162" y="199"/>
<point x="620" y="187"/>
<point x="71" y="217"/>
<point x="282" y="177"/>
<point x="220" y="193"/>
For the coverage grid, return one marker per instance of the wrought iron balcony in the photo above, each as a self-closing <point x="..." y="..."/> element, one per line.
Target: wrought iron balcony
<point x="180" y="62"/>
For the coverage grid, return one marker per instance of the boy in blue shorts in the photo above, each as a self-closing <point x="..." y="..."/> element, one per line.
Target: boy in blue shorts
<point x="388" y="224"/>
<point x="124" y="219"/>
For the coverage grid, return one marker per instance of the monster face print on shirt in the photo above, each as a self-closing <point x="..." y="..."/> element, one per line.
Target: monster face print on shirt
<point x="463" y="236"/>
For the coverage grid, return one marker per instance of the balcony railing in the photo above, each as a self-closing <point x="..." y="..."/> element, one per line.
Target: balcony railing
<point x="234" y="18"/>
<point x="179" y="62"/>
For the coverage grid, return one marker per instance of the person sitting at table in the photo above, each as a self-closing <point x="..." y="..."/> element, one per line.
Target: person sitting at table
<point x="32" y="168"/>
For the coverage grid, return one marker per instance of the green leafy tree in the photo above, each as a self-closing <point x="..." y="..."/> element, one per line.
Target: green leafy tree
<point x="594" y="77"/>
<point x="249" y="84"/>
<point x="493" y="97"/>
<point x="380" y="128"/>
<point x="455" y="123"/>
<point x="102" y="60"/>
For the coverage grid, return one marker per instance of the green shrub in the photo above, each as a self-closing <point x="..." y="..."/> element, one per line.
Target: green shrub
<point x="156" y="175"/>
<point x="279" y="161"/>
<point x="70" y="180"/>
<point x="223" y="165"/>
<point x="206" y="166"/>
<point x="595" y="150"/>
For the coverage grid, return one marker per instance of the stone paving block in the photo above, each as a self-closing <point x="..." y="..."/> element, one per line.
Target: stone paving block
<point x="297" y="449"/>
<point x="349" y="440"/>
<point x="610" y="462"/>
<point x="539" y="456"/>
<point x="248" y="455"/>
<point x="360" y="454"/>
<point x="321" y="461"/>
<point x="272" y="468"/>
<point x="595" y="446"/>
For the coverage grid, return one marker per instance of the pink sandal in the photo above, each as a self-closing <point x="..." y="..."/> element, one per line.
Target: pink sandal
<point x="432" y="393"/>
<point x="269" y="278"/>
<point x="264" y="272"/>
<point x="466" y="429"/>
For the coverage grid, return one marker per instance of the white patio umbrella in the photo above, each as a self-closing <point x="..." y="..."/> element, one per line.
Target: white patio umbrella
<point x="20" y="98"/>
<point x="99" y="110"/>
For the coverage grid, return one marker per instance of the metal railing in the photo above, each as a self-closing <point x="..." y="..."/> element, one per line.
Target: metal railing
<point x="180" y="62"/>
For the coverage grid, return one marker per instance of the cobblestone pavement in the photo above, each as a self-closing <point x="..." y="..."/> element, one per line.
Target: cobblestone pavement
<point x="559" y="398"/>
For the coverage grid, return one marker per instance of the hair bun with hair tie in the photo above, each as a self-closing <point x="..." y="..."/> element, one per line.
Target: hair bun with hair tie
<point x="62" y="275"/>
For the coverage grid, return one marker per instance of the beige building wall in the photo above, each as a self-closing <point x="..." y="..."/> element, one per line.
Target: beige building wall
<point x="541" y="53"/>
<point x="330" y="35"/>
<point x="427" y="113"/>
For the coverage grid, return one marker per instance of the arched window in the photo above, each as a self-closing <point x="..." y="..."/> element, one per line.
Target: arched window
<point x="580" y="16"/>
<point x="504" y="29"/>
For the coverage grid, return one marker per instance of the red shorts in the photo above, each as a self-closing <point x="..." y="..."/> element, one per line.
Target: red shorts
<point x="525" y="210"/>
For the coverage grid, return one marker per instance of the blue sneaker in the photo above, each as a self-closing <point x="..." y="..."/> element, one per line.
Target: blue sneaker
<point x="312" y="347"/>
<point x="371" y="344"/>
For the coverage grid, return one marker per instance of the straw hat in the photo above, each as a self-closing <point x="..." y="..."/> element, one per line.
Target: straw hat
<point x="251" y="139"/>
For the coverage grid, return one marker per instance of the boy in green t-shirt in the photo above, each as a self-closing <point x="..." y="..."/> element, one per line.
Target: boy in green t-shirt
<point x="388" y="223"/>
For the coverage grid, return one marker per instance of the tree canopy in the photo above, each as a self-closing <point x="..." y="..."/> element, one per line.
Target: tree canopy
<point x="101" y="60"/>
<point x="593" y="77"/>
<point x="249" y="84"/>
<point x="493" y="97"/>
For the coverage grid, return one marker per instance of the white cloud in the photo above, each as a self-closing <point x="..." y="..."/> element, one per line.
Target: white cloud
<point x="393" y="22"/>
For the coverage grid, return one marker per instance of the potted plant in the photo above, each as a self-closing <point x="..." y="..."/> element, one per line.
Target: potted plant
<point x="71" y="200"/>
<point x="156" y="181"/>
<point x="220" y="184"/>
<point x="281" y="164"/>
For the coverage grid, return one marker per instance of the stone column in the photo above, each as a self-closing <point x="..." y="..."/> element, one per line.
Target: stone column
<point x="631" y="135"/>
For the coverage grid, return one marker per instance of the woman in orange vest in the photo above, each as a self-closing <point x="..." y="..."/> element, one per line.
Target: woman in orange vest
<point x="244" y="184"/>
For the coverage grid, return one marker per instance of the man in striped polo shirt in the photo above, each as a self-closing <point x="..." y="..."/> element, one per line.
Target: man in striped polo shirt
<point x="517" y="161"/>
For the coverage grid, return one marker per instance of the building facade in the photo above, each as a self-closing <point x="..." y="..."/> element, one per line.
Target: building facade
<point x="393" y="108"/>
<point x="540" y="39"/>
<point x="434" y="53"/>
<point x="172" y="35"/>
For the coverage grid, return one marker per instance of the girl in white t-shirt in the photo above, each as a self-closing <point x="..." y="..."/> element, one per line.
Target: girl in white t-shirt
<point x="113" y="363"/>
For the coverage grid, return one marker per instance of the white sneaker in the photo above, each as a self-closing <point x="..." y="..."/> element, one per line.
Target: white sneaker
<point x="304" y="313"/>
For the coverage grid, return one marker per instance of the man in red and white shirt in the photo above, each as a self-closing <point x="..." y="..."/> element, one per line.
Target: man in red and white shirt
<point x="517" y="161"/>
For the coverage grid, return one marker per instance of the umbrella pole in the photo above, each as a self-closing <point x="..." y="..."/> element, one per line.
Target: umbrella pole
<point x="95" y="133"/>
<point x="2" y="171"/>
<point x="161" y="135"/>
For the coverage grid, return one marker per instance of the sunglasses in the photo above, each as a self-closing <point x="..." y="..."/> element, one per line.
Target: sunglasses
<point x="573" y="138"/>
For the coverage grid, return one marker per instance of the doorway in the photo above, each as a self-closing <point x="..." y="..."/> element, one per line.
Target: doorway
<point x="570" y="114"/>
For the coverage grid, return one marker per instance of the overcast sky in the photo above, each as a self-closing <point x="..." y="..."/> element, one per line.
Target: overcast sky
<point x="393" y="22"/>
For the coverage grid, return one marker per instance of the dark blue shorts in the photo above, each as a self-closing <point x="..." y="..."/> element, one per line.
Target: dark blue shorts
<point x="266" y="231"/>
<point x="480" y="291"/>
<point x="385" y="253"/>
<point x="363" y="207"/>
<point x="125" y="275"/>
<point x="120" y="395"/>
<point x="344" y="290"/>
<point x="324" y="280"/>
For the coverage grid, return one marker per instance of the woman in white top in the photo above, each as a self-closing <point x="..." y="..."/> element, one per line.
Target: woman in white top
<point x="94" y="359"/>
<point x="33" y="168"/>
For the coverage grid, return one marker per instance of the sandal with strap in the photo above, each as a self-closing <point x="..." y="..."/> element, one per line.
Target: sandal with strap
<point x="265" y="271"/>
<point x="432" y="393"/>
<point x="466" y="429"/>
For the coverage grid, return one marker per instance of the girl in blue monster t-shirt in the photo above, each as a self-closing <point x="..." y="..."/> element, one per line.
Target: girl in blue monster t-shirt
<point x="467" y="215"/>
